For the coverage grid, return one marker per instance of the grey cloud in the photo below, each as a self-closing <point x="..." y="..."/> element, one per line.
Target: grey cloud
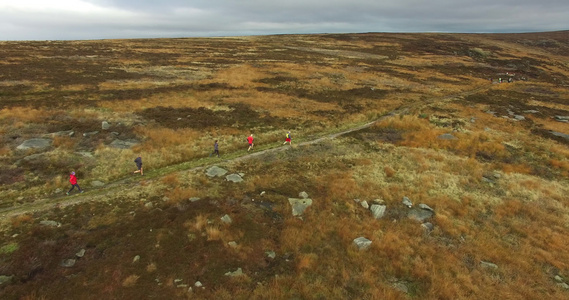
<point x="176" y="18"/>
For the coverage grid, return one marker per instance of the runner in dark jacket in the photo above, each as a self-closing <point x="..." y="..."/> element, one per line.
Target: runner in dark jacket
<point x="138" y="162"/>
<point x="215" y="149"/>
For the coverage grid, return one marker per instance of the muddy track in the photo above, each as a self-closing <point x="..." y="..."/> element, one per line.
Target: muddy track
<point x="128" y="182"/>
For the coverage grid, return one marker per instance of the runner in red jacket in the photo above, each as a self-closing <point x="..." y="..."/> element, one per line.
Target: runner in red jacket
<point x="73" y="181"/>
<point x="250" y="140"/>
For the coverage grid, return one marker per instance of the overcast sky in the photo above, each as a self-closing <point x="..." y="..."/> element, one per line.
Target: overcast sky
<point x="102" y="19"/>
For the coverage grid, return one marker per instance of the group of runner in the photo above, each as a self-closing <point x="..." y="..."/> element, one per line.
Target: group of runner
<point x="138" y="160"/>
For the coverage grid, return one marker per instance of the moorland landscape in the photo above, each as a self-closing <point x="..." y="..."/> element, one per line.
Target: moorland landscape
<point x="422" y="166"/>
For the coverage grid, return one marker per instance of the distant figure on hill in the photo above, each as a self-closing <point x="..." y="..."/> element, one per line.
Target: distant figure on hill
<point x="250" y="140"/>
<point x="73" y="181"/>
<point x="288" y="139"/>
<point x="138" y="162"/>
<point x="215" y="149"/>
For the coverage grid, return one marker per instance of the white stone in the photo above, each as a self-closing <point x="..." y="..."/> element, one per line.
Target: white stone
<point x="362" y="243"/>
<point x="378" y="210"/>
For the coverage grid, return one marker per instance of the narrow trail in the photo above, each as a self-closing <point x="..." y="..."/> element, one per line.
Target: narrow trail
<point x="128" y="182"/>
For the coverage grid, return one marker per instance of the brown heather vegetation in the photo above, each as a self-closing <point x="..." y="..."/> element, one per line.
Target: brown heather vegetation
<point x="499" y="190"/>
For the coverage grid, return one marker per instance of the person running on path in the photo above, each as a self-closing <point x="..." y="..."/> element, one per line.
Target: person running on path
<point x="73" y="181"/>
<point x="250" y="140"/>
<point x="215" y="149"/>
<point x="138" y="162"/>
<point x="288" y="139"/>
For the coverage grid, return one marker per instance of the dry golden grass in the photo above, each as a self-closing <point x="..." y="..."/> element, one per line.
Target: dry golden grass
<point x="199" y="222"/>
<point x="64" y="142"/>
<point x="22" y="219"/>
<point x="130" y="281"/>
<point x="213" y="233"/>
<point x="21" y="115"/>
<point x="151" y="268"/>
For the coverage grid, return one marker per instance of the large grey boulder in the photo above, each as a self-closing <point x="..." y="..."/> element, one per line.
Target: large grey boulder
<point x="35" y="144"/>
<point x="362" y="243"/>
<point x="378" y="210"/>
<point x="299" y="205"/>
<point x="234" y="178"/>
<point x="215" y="171"/>
<point x="446" y="136"/>
<point x="559" y="134"/>
<point x="420" y="214"/>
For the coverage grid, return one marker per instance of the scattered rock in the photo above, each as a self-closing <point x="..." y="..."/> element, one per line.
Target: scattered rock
<point x="198" y="284"/>
<point x="558" y="278"/>
<point x="364" y="204"/>
<point x="563" y="285"/>
<point x="81" y="253"/>
<point x="378" y="201"/>
<point x="105" y="125"/>
<point x="262" y="193"/>
<point x="68" y="263"/>
<point x="519" y="117"/>
<point x="68" y="133"/>
<point x="299" y="205"/>
<point x="226" y="219"/>
<point x="362" y="243"/>
<point x="561" y="118"/>
<point x="419" y="214"/>
<point x="407" y="202"/>
<point x="559" y="134"/>
<point x="148" y="205"/>
<point x="123" y="144"/>
<point x="215" y="171"/>
<point x="136" y="259"/>
<point x="50" y="223"/>
<point x="357" y="200"/>
<point x="428" y="227"/>
<point x="85" y="154"/>
<point x="531" y="111"/>
<point x="238" y="272"/>
<point x="91" y="133"/>
<point x="488" y="265"/>
<point x="234" y="178"/>
<point x="232" y="244"/>
<point x="303" y="195"/>
<point x="446" y="136"/>
<point x="378" y="210"/>
<point x="194" y="199"/>
<point x="402" y="287"/>
<point x="5" y="279"/>
<point x="35" y="144"/>
<point x="97" y="183"/>
<point x="426" y="207"/>
<point x="271" y="254"/>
